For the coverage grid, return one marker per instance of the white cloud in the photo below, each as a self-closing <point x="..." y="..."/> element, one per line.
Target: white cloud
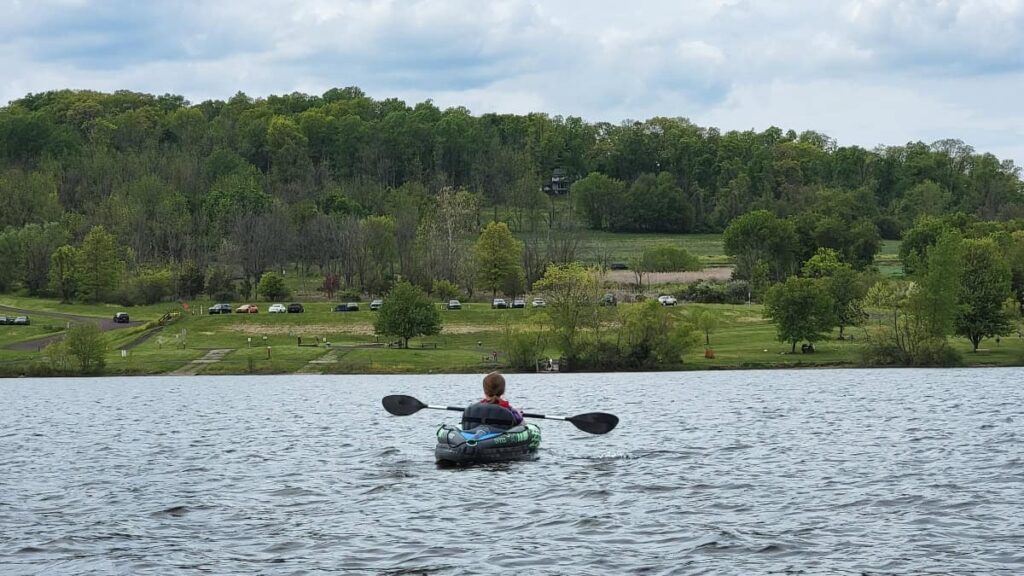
<point x="864" y="71"/>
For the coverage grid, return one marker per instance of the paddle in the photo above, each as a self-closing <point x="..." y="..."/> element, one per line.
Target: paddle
<point x="592" y="422"/>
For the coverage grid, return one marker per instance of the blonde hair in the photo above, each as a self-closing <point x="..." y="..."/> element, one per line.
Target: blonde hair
<point x="494" y="386"/>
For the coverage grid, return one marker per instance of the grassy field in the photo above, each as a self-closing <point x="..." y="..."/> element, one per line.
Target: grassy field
<point x="344" y="343"/>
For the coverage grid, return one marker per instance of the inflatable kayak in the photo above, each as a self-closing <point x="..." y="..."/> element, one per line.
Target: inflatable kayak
<point x="486" y="444"/>
<point x="488" y="434"/>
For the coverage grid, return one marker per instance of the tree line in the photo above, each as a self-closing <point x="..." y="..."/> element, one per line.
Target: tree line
<point x="963" y="278"/>
<point x="209" y="196"/>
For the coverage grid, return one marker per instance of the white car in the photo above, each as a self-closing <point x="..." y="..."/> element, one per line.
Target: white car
<point x="667" y="300"/>
<point x="538" y="303"/>
<point x="277" y="309"/>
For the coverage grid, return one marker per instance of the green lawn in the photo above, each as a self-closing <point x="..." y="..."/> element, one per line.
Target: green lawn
<point x="744" y="339"/>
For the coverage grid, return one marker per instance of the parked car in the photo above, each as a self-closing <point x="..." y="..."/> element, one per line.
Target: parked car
<point x="21" y="321"/>
<point x="609" y="299"/>
<point x="5" y="320"/>
<point x="220" y="309"/>
<point x="667" y="300"/>
<point x="121" y="318"/>
<point x="454" y="305"/>
<point x="347" y="307"/>
<point x="519" y="303"/>
<point x="538" y="303"/>
<point x="277" y="309"/>
<point x="295" y="308"/>
<point x="499" y="303"/>
<point x="376" y="304"/>
<point x="247" y="309"/>
<point x="618" y="266"/>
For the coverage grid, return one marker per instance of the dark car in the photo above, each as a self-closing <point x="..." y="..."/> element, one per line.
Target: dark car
<point x="618" y="266"/>
<point x="121" y="318"/>
<point x="21" y="321"/>
<point x="4" y="320"/>
<point x="220" y="309"/>
<point x="295" y="308"/>
<point x="348" y="307"/>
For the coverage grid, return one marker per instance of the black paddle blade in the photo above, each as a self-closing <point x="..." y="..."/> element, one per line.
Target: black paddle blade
<point x="400" y="405"/>
<point x="595" y="422"/>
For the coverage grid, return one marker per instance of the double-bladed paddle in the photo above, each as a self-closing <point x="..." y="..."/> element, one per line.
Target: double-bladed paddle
<point x="592" y="422"/>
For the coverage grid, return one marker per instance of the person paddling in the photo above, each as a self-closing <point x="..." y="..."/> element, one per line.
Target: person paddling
<point x="494" y="389"/>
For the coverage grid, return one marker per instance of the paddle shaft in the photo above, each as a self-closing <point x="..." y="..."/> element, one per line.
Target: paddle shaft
<point x="525" y="415"/>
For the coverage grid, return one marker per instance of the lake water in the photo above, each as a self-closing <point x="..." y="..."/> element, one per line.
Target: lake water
<point x="811" y="471"/>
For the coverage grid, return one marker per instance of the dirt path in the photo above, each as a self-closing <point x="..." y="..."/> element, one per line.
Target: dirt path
<point x="105" y="324"/>
<point x="193" y="367"/>
<point x="316" y="366"/>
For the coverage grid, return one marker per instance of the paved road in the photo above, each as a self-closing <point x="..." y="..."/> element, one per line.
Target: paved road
<point x="105" y="324"/>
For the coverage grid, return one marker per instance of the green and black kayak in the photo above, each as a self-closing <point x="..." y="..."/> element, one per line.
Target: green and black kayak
<point x="489" y="433"/>
<point x="486" y="444"/>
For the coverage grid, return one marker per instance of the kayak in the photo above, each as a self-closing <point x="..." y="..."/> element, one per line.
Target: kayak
<point x="489" y="433"/>
<point x="486" y="443"/>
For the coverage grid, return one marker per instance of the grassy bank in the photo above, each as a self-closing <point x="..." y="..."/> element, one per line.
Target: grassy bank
<point x="344" y="343"/>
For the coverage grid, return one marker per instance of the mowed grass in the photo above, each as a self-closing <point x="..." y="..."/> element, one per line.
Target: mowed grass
<point x="345" y="343"/>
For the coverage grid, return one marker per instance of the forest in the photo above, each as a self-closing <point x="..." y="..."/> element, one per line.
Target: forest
<point x="135" y="198"/>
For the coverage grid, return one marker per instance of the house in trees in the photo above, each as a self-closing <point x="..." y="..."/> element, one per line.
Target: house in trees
<point x="558" y="185"/>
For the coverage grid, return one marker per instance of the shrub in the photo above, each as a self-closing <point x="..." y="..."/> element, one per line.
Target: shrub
<point x="716" y="292"/>
<point x="272" y="286"/>
<point x="87" y="345"/>
<point x="523" y="348"/>
<point x="445" y="290"/>
<point x="351" y="295"/>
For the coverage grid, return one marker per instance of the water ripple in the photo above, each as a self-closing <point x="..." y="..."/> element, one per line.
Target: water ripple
<point x="785" y="472"/>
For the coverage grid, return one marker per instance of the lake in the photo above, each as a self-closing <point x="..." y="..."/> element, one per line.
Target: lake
<point x="745" y="472"/>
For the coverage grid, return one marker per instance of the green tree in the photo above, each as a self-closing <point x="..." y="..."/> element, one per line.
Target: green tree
<point x="87" y="344"/>
<point x="985" y="286"/>
<point x="498" y="258"/>
<point x="98" y="265"/>
<point x="844" y="285"/>
<point x="407" y="313"/>
<point x="761" y="237"/>
<point x="38" y="243"/>
<point x="916" y="241"/>
<point x="445" y="290"/>
<point x="920" y="315"/>
<point x="707" y="322"/>
<point x="272" y="286"/>
<point x="63" y="280"/>
<point x="572" y="293"/>
<point x="10" y="259"/>
<point x="598" y="198"/>
<point x="801" y="309"/>
<point x="651" y="337"/>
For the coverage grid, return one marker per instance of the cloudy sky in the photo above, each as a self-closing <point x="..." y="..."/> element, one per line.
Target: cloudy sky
<point x="866" y="72"/>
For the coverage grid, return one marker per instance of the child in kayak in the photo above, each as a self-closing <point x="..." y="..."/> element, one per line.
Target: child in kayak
<point x="494" y="389"/>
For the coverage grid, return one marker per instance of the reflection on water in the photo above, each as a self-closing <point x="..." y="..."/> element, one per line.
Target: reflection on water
<point x="837" y="471"/>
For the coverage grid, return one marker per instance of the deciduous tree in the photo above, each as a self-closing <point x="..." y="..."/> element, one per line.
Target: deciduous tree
<point x="407" y="313"/>
<point x="498" y="258"/>
<point x="801" y="309"/>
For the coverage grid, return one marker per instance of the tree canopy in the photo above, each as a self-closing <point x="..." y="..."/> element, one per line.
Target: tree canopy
<point x="407" y="313"/>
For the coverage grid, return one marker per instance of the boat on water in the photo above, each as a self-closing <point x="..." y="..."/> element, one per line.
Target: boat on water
<point x="488" y="434"/>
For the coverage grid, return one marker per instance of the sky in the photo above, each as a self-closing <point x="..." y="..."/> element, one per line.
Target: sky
<point x="866" y="72"/>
